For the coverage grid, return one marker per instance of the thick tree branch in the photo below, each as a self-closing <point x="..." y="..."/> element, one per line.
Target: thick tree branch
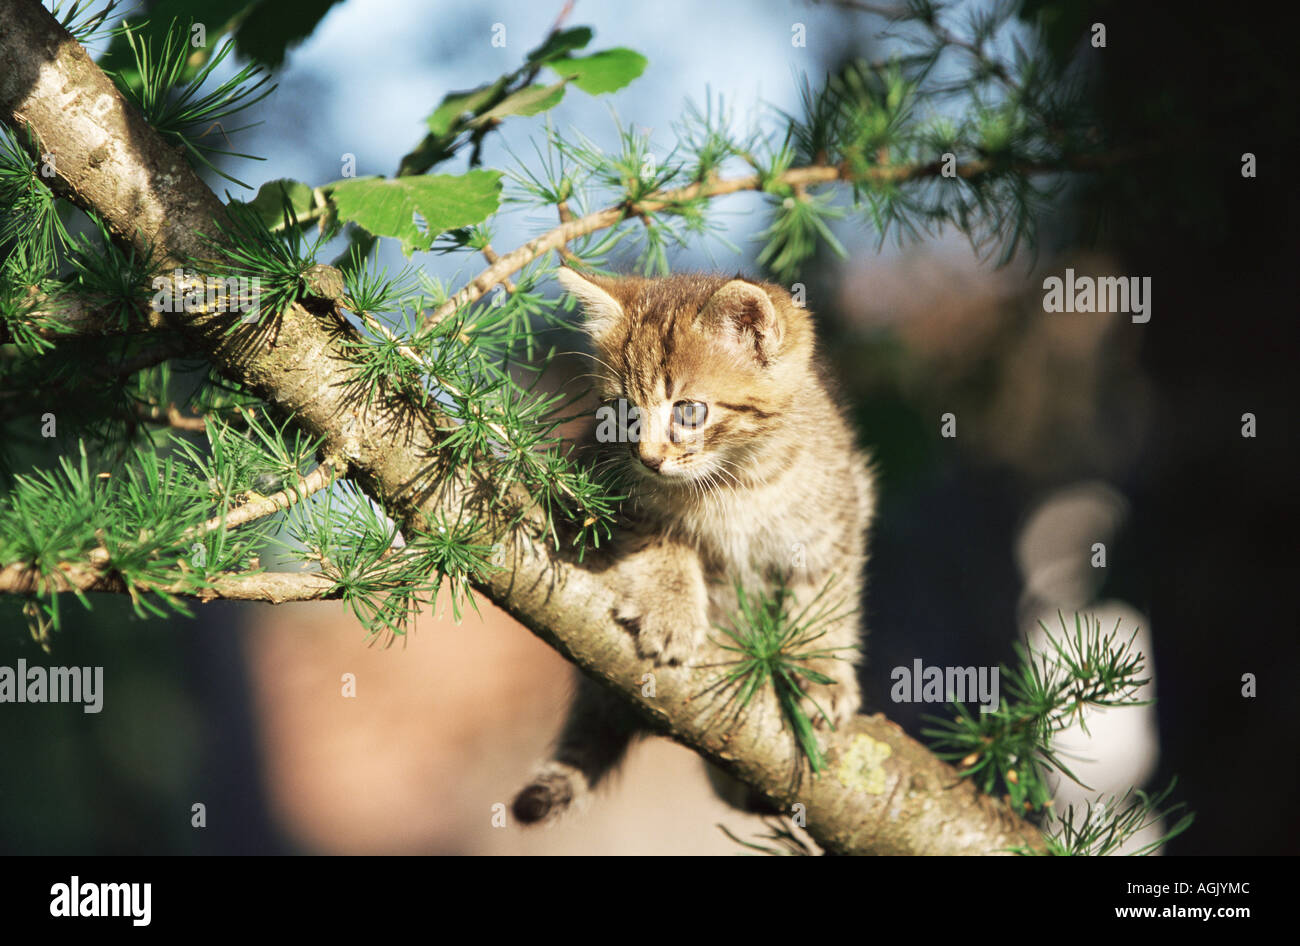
<point x="76" y="317"/>
<point x="884" y="793"/>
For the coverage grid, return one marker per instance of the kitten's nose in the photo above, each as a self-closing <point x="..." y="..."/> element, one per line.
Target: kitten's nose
<point x="653" y="462"/>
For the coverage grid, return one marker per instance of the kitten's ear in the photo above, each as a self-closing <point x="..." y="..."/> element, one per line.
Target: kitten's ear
<point x="602" y="310"/>
<point x="743" y="313"/>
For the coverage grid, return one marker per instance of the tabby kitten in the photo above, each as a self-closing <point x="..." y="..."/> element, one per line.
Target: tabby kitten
<point x="742" y="468"/>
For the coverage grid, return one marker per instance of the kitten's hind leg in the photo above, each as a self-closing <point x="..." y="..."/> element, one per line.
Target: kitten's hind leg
<point x="596" y="735"/>
<point x="840" y="701"/>
<point x="841" y="640"/>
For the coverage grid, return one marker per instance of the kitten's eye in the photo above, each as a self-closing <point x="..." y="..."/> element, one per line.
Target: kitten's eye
<point x="690" y="413"/>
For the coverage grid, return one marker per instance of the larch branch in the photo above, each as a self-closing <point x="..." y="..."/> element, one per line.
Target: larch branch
<point x="884" y="792"/>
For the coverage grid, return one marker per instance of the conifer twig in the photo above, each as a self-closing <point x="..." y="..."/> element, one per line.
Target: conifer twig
<point x="263" y="506"/>
<point x="271" y="587"/>
<point x="572" y="228"/>
<point x="170" y="416"/>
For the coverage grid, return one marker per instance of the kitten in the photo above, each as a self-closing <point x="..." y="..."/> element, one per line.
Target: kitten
<point x="743" y="469"/>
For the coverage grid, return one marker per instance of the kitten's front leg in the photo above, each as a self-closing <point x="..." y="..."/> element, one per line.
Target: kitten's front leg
<point x="664" y="601"/>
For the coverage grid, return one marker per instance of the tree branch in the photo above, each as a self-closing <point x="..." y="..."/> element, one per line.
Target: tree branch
<point x="571" y="228"/>
<point x="169" y="416"/>
<point x="76" y="318"/>
<point x="884" y="792"/>
<point x="272" y="587"/>
<point x="16" y="403"/>
<point x="315" y="481"/>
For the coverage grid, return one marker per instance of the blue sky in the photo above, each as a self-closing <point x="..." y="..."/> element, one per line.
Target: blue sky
<point x="372" y="70"/>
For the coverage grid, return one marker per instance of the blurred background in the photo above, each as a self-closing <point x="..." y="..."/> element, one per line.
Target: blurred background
<point x="1073" y="429"/>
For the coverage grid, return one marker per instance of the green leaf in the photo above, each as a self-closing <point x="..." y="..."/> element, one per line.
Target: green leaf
<point x="605" y="71"/>
<point x="530" y="101"/>
<point x="527" y="101"/>
<point x="561" y="44"/>
<point x="269" y="202"/>
<point x="456" y="104"/>
<point x="388" y="207"/>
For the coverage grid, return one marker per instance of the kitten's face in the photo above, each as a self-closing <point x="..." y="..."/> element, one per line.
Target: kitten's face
<point x="695" y="372"/>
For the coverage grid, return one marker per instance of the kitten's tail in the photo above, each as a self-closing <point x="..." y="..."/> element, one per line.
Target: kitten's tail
<point x="599" y="728"/>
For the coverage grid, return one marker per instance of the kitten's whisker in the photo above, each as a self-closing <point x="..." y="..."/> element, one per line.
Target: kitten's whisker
<point x="605" y="364"/>
<point x="734" y="483"/>
<point x="591" y="374"/>
<point x="719" y="466"/>
<point x="723" y="462"/>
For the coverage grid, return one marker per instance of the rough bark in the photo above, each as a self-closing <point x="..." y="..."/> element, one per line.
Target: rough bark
<point x="884" y="792"/>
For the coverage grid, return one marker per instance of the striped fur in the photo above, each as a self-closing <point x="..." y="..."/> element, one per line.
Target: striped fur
<point x="771" y="486"/>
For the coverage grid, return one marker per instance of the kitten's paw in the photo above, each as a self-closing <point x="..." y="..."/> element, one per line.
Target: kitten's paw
<point x="664" y="636"/>
<point x="554" y="789"/>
